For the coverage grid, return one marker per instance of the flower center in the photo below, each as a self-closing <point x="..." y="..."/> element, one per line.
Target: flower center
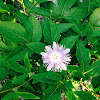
<point x="55" y="57"/>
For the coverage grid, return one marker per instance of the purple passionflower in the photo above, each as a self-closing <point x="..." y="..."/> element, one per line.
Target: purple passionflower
<point x="56" y="58"/>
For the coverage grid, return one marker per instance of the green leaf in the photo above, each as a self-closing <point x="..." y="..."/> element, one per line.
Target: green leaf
<point x="95" y="23"/>
<point x="95" y="81"/>
<point x="51" y="32"/>
<point x="26" y="85"/>
<point x="5" y="7"/>
<point x="18" y="53"/>
<point x="77" y="26"/>
<point x="97" y="89"/>
<point x="67" y="88"/>
<point x="52" y="8"/>
<point x="19" y="78"/>
<point x="83" y="55"/>
<point x="75" y="70"/>
<point x="70" y="95"/>
<point x="69" y="41"/>
<point x="85" y="95"/>
<point x="37" y="47"/>
<point x="94" y="69"/>
<point x="7" y="85"/>
<point x="16" y="66"/>
<point x="9" y="96"/>
<point x="76" y="13"/>
<point x="95" y="33"/>
<point x="68" y="85"/>
<point x="63" y="27"/>
<point x="95" y="18"/>
<point x="64" y="5"/>
<point x="34" y="29"/>
<point x="3" y="73"/>
<point x="41" y="1"/>
<point x="28" y="4"/>
<point x="40" y="11"/>
<point x="53" y="93"/>
<point x="27" y="95"/>
<point x="13" y="31"/>
<point x="2" y="45"/>
<point x="47" y="77"/>
<point x="23" y="18"/>
<point x="3" y="58"/>
<point x="98" y="1"/>
<point x="27" y="63"/>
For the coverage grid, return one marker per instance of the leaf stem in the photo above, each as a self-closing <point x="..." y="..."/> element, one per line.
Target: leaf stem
<point x="88" y="88"/>
<point x="17" y="86"/>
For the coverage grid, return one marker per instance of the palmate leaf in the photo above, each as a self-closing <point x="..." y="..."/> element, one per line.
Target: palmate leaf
<point x="14" y="32"/>
<point x="51" y="31"/>
<point x="83" y="55"/>
<point x="47" y="77"/>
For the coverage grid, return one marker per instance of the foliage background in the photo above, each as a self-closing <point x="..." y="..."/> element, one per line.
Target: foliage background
<point x="71" y="23"/>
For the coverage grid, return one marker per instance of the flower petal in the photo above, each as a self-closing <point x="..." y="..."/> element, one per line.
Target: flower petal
<point x="44" y="54"/>
<point x="48" y="48"/>
<point x="66" y="51"/>
<point x="63" y="66"/>
<point x="49" y="67"/>
<point x="55" y="46"/>
<point x="61" y="47"/>
<point x="45" y="61"/>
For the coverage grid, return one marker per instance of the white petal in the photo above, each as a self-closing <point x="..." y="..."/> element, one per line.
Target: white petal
<point x="66" y="51"/>
<point x="67" y="59"/>
<point x="54" y="46"/>
<point x="49" y="67"/>
<point x="61" y="47"/>
<point x="58" y="67"/>
<point x="48" y="48"/>
<point x="63" y="66"/>
<point x="44" y="54"/>
<point x="45" y="61"/>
